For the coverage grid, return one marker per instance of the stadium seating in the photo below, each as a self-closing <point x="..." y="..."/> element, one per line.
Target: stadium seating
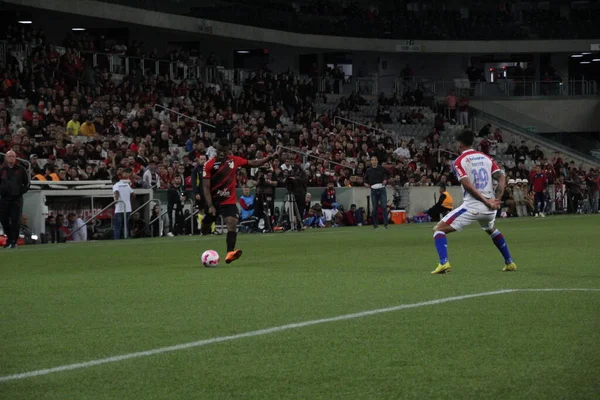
<point x="242" y="111"/>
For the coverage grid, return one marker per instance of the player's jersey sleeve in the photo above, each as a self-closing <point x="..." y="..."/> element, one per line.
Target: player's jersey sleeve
<point x="206" y="171"/>
<point x="239" y="161"/>
<point x="459" y="168"/>
<point x="495" y="167"/>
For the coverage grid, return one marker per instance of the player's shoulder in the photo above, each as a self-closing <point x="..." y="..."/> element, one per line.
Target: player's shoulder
<point x="237" y="158"/>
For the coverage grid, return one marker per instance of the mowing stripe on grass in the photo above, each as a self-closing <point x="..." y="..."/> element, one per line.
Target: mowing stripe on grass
<point x="267" y="331"/>
<point x="146" y="241"/>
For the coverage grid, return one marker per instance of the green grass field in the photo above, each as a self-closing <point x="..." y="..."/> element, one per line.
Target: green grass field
<point x="66" y="304"/>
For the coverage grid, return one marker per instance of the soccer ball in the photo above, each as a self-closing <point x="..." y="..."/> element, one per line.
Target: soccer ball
<point x="210" y="258"/>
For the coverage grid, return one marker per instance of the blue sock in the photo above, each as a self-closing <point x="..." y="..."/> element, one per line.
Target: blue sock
<point x="500" y="243"/>
<point x="441" y="245"/>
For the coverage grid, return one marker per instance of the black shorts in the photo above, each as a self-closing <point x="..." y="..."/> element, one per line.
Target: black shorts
<point x="226" y="210"/>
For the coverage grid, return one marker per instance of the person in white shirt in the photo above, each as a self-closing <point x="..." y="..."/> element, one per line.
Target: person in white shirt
<point x="77" y="226"/>
<point x="151" y="178"/>
<point x="122" y="191"/>
<point x="402" y="151"/>
<point x="211" y="152"/>
<point x="287" y="165"/>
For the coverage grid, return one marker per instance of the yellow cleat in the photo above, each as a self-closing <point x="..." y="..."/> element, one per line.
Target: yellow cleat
<point x="510" y="267"/>
<point x="442" y="269"/>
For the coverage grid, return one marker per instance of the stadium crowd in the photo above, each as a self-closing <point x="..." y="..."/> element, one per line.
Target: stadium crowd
<point x="81" y="124"/>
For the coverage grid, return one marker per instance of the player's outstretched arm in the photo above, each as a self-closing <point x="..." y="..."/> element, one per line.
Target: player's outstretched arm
<point x="262" y="161"/>
<point x="492" y="204"/>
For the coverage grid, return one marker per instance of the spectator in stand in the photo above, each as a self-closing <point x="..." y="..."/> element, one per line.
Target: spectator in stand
<point x="485" y="131"/>
<point x="74" y="125"/>
<point x="402" y="152"/>
<point x="350" y="217"/>
<point x="159" y="225"/>
<point x="176" y="196"/>
<point x="78" y="227"/>
<point x="138" y="227"/>
<point x="88" y="128"/>
<point x="307" y="204"/>
<point x="451" y="103"/>
<point x="539" y="183"/>
<point x="150" y="177"/>
<point x="573" y="183"/>
<point x="443" y="206"/>
<point x="536" y="154"/>
<point x="463" y="111"/>
<point x="247" y="204"/>
<point x="593" y="184"/>
<point x="329" y="203"/>
<point x="315" y="217"/>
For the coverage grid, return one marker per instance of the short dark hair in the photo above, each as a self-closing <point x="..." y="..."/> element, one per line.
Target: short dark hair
<point x="223" y="142"/>
<point x="71" y="215"/>
<point x="466" y="137"/>
<point x="49" y="167"/>
<point x="442" y="186"/>
<point x="127" y="171"/>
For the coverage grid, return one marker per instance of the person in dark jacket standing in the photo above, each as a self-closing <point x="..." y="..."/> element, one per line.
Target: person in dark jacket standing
<point x="14" y="183"/>
<point x="176" y="197"/>
<point x="376" y="179"/>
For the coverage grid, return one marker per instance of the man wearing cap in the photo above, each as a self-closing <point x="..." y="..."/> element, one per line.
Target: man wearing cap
<point x="443" y="206"/>
<point x="14" y="183"/>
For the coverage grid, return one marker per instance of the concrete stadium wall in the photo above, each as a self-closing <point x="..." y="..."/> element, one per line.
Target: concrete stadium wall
<point x="547" y="115"/>
<point x="90" y="8"/>
<point x="419" y="199"/>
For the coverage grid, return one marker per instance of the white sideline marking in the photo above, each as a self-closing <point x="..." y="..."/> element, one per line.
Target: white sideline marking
<point x="267" y="331"/>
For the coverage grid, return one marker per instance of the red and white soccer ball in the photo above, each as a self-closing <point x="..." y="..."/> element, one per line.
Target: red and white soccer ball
<point x="210" y="258"/>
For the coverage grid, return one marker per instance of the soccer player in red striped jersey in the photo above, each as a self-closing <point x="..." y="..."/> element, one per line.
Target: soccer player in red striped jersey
<point x="219" y="184"/>
<point x="476" y="173"/>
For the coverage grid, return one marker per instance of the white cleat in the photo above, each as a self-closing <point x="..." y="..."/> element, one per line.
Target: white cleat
<point x="542" y="215"/>
<point x="536" y="215"/>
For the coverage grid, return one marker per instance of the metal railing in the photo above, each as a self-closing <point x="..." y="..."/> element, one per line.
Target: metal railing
<point x="306" y="155"/>
<point x="159" y="218"/>
<point x="157" y="201"/>
<point x="179" y="115"/>
<point x="440" y="151"/>
<point x="356" y="123"/>
<point x="122" y="64"/>
<point x="100" y="212"/>
<point x="191" y="218"/>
